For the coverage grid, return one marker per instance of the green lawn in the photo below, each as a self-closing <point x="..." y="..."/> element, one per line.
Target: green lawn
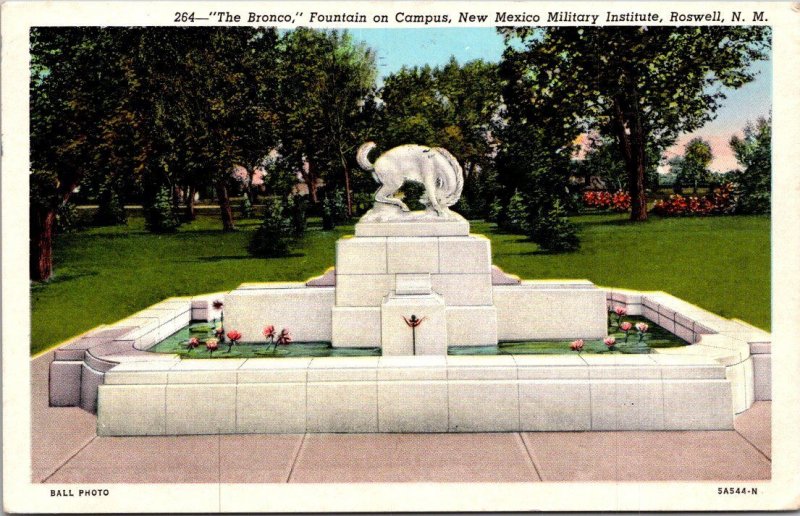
<point x="104" y="274"/>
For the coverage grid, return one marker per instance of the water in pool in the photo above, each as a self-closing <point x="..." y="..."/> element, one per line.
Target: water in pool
<point x="655" y="337"/>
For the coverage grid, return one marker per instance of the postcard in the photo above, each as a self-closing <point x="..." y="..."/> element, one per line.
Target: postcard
<point x="400" y="256"/>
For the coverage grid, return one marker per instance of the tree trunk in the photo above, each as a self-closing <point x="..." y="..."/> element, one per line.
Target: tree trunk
<point x="225" y="207"/>
<point x="631" y="141"/>
<point x="311" y="182"/>
<point x="347" y="185"/>
<point x="41" y="244"/>
<point x="190" y="211"/>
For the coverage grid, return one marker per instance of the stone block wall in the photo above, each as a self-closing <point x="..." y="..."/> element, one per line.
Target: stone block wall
<point x="744" y="350"/>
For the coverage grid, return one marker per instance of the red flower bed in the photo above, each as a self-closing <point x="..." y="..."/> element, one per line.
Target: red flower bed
<point x="719" y="202"/>
<point x="603" y="200"/>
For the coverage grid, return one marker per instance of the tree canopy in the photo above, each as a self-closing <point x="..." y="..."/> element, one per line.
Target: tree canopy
<point x="644" y="85"/>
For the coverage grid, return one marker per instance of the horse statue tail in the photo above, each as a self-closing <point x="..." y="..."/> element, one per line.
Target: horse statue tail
<point x="362" y="156"/>
<point x="452" y="179"/>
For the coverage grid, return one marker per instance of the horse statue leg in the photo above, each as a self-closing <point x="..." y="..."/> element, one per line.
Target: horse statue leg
<point x="384" y="195"/>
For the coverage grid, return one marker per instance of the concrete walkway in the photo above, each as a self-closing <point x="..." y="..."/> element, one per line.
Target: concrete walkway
<point x="66" y="449"/>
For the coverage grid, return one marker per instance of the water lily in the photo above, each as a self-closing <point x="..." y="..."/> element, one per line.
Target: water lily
<point x="642" y="329"/>
<point x="233" y="338"/>
<point x="212" y="345"/>
<point x="626" y="327"/>
<point x="576" y="345"/>
<point x="620" y="311"/>
<point x="193" y="343"/>
<point x="284" y="337"/>
<point x="610" y="342"/>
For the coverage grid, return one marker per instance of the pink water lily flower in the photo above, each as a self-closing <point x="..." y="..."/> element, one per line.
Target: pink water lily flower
<point x="576" y="345"/>
<point x="233" y="338"/>
<point x="193" y="342"/>
<point x="626" y="326"/>
<point x="642" y="327"/>
<point x="620" y="311"/>
<point x="610" y="341"/>
<point x="269" y="332"/>
<point x="212" y="345"/>
<point x="285" y="337"/>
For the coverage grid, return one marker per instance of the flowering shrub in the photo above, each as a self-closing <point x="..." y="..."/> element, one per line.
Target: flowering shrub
<point x="721" y="201"/>
<point x="621" y="201"/>
<point x="597" y="199"/>
<point x="602" y="200"/>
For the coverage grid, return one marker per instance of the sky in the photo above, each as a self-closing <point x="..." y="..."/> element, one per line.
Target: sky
<point x="396" y="48"/>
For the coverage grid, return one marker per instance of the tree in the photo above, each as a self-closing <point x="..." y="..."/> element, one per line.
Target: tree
<point x="453" y="106"/>
<point x="696" y="157"/>
<point x="623" y="80"/>
<point x="753" y="151"/>
<point x="324" y="80"/>
<point x="534" y="157"/>
<point x="75" y="92"/>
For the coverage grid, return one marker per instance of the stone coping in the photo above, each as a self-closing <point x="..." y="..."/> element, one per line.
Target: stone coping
<point x="450" y="367"/>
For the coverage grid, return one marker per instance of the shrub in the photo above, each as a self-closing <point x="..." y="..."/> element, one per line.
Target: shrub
<point x="602" y="200"/>
<point x="553" y="232"/>
<point x="621" y="201"/>
<point x="246" y="208"/>
<point x="296" y="211"/>
<point x="722" y="201"/>
<point x="516" y="218"/>
<point x="158" y="214"/>
<point x="599" y="199"/>
<point x="275" y="235"/>
<point x="67" y="217"/>
<point x="334" y="210"/>
<point x="362" y="202"/>
<point x="495" y="210"/>
<point x="110" y="211"/>
<point x="754" y="152"/>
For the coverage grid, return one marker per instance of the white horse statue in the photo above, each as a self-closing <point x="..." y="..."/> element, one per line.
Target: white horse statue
<point x="435" y="168"/>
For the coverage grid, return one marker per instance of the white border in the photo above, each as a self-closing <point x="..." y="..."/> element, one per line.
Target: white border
<point x="20" y="495"/>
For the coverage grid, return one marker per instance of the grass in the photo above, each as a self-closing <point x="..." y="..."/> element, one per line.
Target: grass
<point x="105" y="274"/>
<point x="719" y="263"/>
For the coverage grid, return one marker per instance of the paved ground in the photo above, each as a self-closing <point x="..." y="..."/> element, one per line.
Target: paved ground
<point x="66" y="449"/>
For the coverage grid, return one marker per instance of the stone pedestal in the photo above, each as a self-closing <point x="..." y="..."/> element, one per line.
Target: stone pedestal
<point x="429" y="337"/>
<point x="420" y="264"/>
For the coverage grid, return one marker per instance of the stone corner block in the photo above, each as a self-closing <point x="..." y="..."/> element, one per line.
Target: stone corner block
<point x="65" y="383"/>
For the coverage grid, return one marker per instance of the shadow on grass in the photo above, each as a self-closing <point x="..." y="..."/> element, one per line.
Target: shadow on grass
<point x="214" y="259"/>
<point x="61" y="278"/>
<point x="606" y="222"/>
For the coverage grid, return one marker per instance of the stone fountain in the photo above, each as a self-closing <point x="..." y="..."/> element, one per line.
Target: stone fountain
<point x="415" y="284"/>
